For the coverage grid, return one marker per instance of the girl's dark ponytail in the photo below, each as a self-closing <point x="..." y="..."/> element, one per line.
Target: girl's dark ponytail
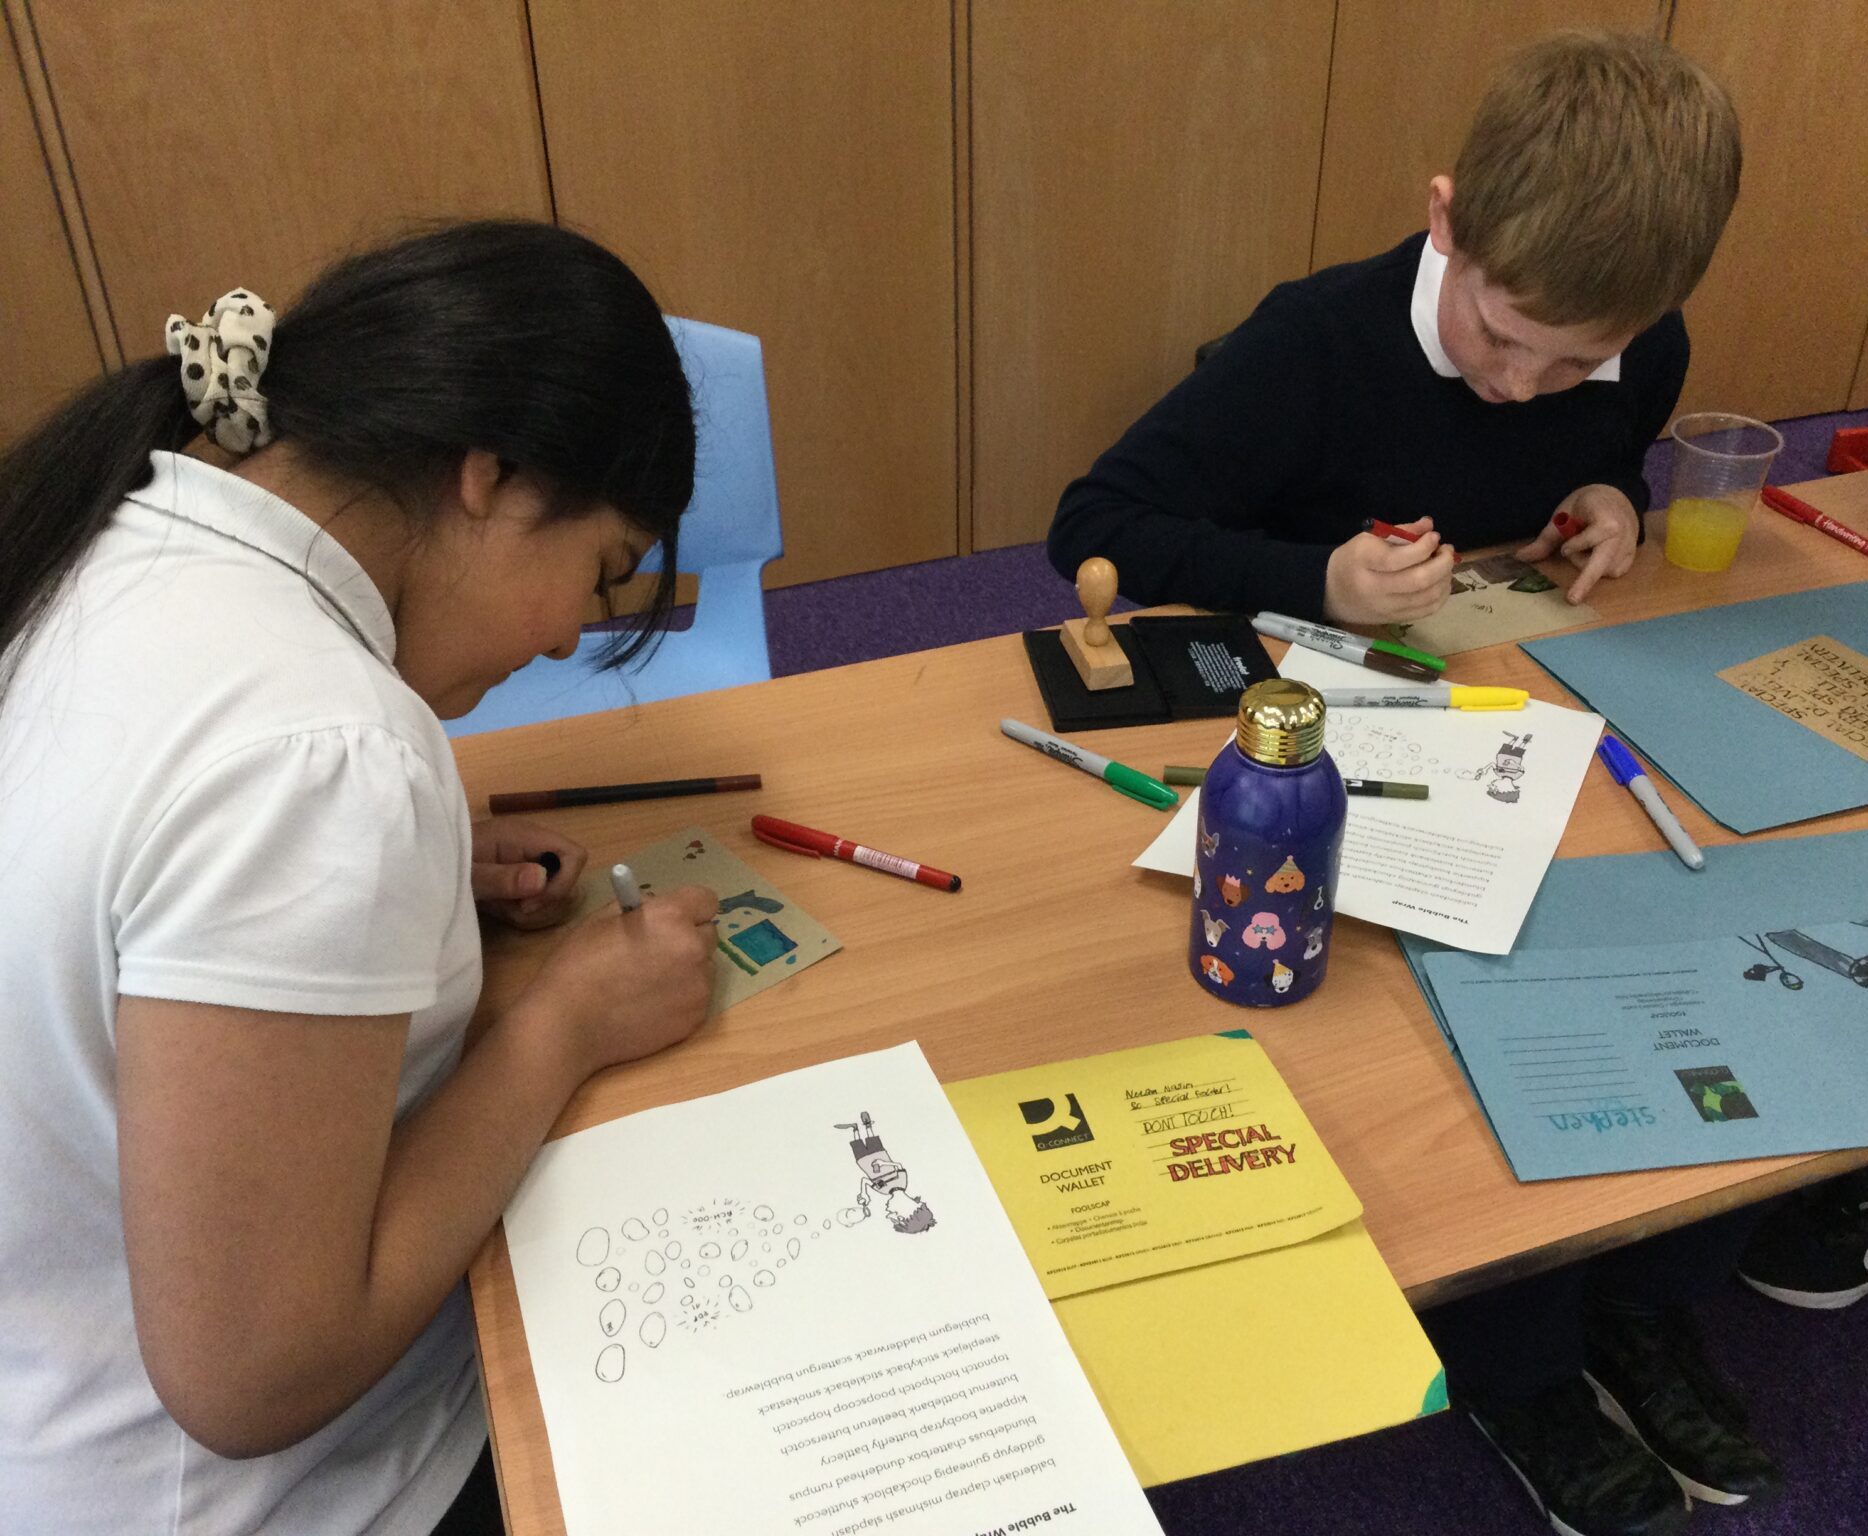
<point x="524" y="340"/>
<point x="60" y="484"/>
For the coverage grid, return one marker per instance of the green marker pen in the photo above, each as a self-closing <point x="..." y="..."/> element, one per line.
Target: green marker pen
<point x="1408" y="653"/>
<point x="1118" y="776"/>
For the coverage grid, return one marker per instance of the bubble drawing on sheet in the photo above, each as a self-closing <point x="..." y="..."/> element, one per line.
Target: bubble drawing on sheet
<point x="698" y="1314"/>
<point x="698" y="1243"/>
<point x="1366" y="748"/>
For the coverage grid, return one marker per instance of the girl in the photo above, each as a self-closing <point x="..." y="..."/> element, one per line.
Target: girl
<point x="247" y="1161"/>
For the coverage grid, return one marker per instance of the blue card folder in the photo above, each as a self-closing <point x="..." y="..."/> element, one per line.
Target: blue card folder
<point x="1650" y="1017"/>
<point x="1657" y="681"/>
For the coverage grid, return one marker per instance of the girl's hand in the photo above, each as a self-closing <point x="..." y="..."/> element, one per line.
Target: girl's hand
<point x="1597" y="528"/>
<point x="511" y="885"/>
<point x="1372" y="581"/>
<point x="627" y="984"/>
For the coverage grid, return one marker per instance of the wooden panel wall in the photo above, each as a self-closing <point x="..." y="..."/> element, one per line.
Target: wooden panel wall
<point x="977" y="239"/>
<point x="1404" y="82"/>
<point x="787" y="169"/>
<point x="1141" y="174"/>
<point x="47" y="347"/>
<point x="218" y="150"/>
<point x="1777" y="324"/>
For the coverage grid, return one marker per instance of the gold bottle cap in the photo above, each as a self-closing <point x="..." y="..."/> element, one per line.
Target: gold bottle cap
<point x="1281" y="723"/>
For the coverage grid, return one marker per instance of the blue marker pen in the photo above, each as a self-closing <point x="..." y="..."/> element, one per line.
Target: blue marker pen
<point x="1628" y="771"/>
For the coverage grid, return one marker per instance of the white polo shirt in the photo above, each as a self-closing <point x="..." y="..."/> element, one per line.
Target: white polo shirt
<point x="215" y="788"/>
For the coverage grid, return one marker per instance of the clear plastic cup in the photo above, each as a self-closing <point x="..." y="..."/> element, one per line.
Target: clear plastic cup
<point x="1719" y="465"/>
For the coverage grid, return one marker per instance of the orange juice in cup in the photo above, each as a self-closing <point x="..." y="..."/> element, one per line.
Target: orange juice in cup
<point x="1719" y="465"/>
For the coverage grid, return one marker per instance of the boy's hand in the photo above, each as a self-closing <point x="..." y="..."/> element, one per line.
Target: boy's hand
<point x="1371" y="581"/>
<point x="509" y="882"/>
<point x="1597" y="528"/>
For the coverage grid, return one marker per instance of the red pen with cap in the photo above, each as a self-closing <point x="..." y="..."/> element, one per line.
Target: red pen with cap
<point x="1799" y="509"/>
<point x="823" y="845"/>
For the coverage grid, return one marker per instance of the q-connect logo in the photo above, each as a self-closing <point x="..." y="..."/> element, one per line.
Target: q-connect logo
<point x="1055" y="1126"/>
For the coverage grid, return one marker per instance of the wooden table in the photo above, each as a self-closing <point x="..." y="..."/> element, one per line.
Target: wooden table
<point x="1057" y="948"/>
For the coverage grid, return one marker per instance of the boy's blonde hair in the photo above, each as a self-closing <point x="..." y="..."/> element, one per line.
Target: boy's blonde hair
<point x="1596" y="179"/>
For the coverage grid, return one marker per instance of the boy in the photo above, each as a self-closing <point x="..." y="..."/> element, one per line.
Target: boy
<point x="1498" y="377"/>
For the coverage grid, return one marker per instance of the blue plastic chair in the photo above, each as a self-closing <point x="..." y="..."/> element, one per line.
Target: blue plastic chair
<point x="728" y="533"/>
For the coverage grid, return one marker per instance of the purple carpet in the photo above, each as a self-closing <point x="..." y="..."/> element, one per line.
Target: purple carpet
<point x="943" y="602"/>
<point x="1802" y="1372"/>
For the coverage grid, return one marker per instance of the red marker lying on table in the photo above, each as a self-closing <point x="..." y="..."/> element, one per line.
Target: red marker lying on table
<point x="814" y="844"/>
<point x="1803" y="512"/>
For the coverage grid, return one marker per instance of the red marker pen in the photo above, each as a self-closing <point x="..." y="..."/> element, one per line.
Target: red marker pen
<point x="1383" y="530"/>
<point x="814" y="844"/>
<point x="1796" y="507"/>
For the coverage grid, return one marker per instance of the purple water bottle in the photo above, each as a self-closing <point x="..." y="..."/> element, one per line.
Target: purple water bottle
<point x="1270" y="843"/>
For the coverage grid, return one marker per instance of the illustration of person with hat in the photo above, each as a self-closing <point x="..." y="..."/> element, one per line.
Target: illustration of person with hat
<point x="884" y="1177"/>
<point x="1506" y="768"/>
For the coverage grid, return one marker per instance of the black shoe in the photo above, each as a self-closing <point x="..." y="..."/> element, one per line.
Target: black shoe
<point x="1813" y="1251"/>
<point x="1588" y="1478"/>
<point x="1651" y="1376"/>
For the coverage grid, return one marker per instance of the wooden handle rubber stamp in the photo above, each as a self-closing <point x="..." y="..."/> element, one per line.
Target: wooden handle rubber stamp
<point x="1091" y="647"/>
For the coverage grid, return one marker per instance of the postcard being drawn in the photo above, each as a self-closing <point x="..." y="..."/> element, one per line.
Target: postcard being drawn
<point x="1495" y="598"/>
<point x="763" y="938"/>
<point x="798" y="1306"/>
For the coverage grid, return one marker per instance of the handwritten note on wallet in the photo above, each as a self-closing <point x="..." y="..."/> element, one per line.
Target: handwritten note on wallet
<point x="1819" y="683"/>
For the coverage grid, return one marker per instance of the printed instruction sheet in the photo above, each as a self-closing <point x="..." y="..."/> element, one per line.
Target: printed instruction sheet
<point x="798" y="1306"/>
<point x="1463" y="865"/>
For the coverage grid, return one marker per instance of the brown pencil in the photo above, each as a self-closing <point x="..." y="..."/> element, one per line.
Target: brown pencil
<point x="611" y="794"/>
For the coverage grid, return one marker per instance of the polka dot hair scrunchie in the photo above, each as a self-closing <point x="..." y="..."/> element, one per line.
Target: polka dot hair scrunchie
<point x="222" y="359"/>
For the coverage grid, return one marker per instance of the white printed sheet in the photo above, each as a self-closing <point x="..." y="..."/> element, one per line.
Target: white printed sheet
<point x="798" y="1307"/>
<point x="1463" y="865"/>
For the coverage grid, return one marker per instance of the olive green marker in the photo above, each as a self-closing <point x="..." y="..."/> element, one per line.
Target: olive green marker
<point x="1388" y="789"/>
<point x="1183" y="776"/>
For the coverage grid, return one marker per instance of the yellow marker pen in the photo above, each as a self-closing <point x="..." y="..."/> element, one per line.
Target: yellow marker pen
<point x="1454" y="697"/>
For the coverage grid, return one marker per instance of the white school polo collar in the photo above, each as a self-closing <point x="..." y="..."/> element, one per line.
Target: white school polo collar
<point x="1425" y="310"/>
<point x="211" y="498"/>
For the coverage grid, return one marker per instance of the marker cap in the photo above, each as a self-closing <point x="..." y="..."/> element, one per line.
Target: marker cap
<point x="1621" y="762"/>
